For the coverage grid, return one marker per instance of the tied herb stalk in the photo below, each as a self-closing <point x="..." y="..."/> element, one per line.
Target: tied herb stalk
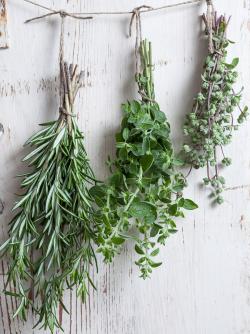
<point x="51" y="236"/>
<point x="144" y="190"/>
<point x="210" y="125"/>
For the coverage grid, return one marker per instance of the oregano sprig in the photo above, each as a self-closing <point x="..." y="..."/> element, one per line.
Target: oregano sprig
<point x="51" y="236"/>
<point x="210" y="125"/>
<point x="144" y="190"/>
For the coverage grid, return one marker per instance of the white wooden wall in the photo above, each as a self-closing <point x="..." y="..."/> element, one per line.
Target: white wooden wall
<point x="204" y="285"/>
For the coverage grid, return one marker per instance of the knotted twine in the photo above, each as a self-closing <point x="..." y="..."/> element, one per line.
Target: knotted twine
<point x="70" y="81"/>
<point x="136" y="16"/>
<point x="62" y="13"/>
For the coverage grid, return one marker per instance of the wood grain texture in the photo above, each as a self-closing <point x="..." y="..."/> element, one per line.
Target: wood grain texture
<point x="204" y="285"/>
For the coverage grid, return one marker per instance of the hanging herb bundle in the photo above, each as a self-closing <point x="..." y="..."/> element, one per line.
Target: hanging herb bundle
<point x="50" y="238"/>
<point x="144" y="190"/>
<point x="210" y="125"/>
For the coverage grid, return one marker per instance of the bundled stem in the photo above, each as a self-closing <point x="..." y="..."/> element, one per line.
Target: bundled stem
<point x="144" y="190"/>
<point x="210" y="125"/>
<point x="50" y="238"/>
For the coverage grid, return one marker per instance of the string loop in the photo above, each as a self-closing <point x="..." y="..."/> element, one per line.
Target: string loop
<point x="62" y="13"/>
<point x="136" y="16"/>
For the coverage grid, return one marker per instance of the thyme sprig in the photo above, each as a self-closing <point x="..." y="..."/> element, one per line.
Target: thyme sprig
<point x="144" y="190"/>
<point x="51" y="236"/>
<point x="210" y="125"/>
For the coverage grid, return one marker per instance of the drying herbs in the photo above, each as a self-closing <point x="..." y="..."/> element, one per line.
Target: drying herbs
<point x="144" y="190"/>
<point x="210" y="125"/>
<point x="51" y="235"/>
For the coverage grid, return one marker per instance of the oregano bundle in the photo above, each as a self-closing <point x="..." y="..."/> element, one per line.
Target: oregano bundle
<point x="144" y="190"/>
<point x="51" y="235"/>
<point x="210" y="125"/>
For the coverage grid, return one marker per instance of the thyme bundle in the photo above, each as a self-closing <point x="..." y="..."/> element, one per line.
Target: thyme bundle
<point x="50" y="238"/>
<point x="210" y="125"/>
<point x="144" y="190"/>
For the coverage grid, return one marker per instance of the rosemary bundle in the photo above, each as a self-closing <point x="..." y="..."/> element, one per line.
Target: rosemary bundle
<point x="144" y="190"/>
<point x="210" y="125"/>
<point x="50" y="237"/>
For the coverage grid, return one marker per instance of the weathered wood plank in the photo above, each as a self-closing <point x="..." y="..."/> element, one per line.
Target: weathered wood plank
<point x="4" y="42"/>
<point x="203" y="286"/>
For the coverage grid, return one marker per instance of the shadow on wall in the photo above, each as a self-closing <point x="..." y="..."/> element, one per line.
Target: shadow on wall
<point x="128" y="90"/>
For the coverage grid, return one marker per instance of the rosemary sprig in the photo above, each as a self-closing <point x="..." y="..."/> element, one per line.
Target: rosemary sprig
<point x="50" y="238"/>
<point x="144" y="190"/>
<point x="210" y="125"/>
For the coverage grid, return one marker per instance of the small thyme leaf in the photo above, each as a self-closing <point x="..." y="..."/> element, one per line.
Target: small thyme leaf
<point x="210" y="125"/>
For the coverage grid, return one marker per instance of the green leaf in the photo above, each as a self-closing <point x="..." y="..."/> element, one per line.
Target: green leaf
<point x="117" y="240"/>
<point x="125" y="134"/>
<point x="143" y="210"/>
<point x="178" y="162"/>
<point x="12" y="294"/>
<point x="159" y="116"/>
<point x="116" y="179"/>
<point x="138" y="150"/>
<point x="59" y="138"/>
<point x="154" y="231"/>
<point x="48" y="200"/>
<point x="33" y="153"/>
<point x="188" y="204"/>
<point x="22" y="201"/>
<point x="118" y="137"/>
<point x="155" y="252"/>
<point x="173" y="209"/>
<point x="172" y="230"/>
<point x="19" y="309"/>
<point x="234" y="63"/>
<point x="146" y="145"/>
<point x="139" y="250"/>
<point x="97" y="191"/>
<point x="146" y="162"/>
<point x="155" y="265"/>
<point x="3" y="246"/>
<point x="135" y="106"/>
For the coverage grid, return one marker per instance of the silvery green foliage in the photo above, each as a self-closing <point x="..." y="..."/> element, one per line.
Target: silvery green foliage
<point x="144" y="191"/>
<point x="210" y="125"/>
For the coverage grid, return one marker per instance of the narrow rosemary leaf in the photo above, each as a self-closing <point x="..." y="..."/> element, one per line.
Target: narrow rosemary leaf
<point x="51" y="235"/>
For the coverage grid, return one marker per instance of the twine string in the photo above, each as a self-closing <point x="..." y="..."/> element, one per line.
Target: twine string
<point x="62" y="13"/>
<point x="210" y="25"/>
<point x="61" y="62"/>
<point x="136" y="16"/>
<point x="76" y="15"/>
<point x="65" y="78"/>
<point x="65" y="84"/>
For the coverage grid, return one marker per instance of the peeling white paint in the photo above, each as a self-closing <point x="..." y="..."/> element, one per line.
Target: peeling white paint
<point x="4" y="43"/>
